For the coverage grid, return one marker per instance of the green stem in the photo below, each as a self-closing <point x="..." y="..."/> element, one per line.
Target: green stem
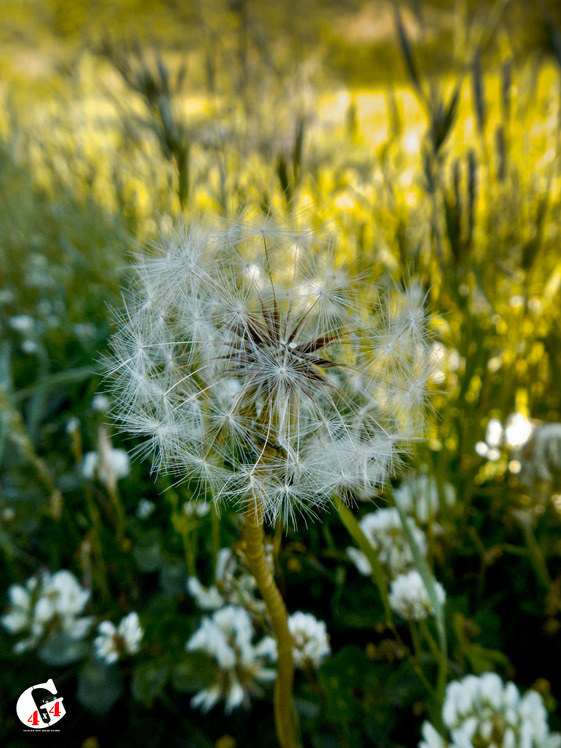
<point x="430" y="586"/>
<point x="354" y="530"/>
<point x="433" y="646"/>
<point x="285" y="716"/>
<point x="536" y="555"/>
<point x="415" y="639"/>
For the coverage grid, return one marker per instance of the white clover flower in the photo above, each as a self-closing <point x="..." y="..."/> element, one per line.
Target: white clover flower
<point x="419" y="496"/>
<point x="22" y="323"/>
<point x="48" y="605"/>
<point x="233" y="584"/>
<point x="483" y="711"/>
<point x="227" y="638"/>
<point x="113" y="642"/>
<point x="145" y="508"/>
<point x="119" y="465"/>
<point x="207" y="598"/>
<point x="310" y="641"/>
<point x="256" y="366"/>
<point x="384" y="531"/>
<point x="431" y="738"/>
<point x="409" y="597"/>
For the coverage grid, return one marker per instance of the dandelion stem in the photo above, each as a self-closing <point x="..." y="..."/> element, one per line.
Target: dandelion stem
<point x="255" y="556"/>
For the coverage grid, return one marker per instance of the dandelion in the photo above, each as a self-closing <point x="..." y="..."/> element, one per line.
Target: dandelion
<point x="409" y="597"/>
<point x="485" y="712"/>
<point x="114" y="642"/>
<point x="48" y="605"/>
<point x="255" y="365"/>
<point x="241" y="665"/>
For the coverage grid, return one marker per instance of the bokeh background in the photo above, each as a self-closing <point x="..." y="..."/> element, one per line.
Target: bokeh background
<point x="424" y="136"/>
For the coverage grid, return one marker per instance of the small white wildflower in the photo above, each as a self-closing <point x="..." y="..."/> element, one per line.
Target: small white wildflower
<point x="384" y="531"/>
<point x="49" y="604"/>
<point x="517" y="431"/>
<point x="29" y="346"/>
<point x="8" y="514"/>
<point x="495" y="432"/>
<point x="227" y="638"/>
<point x="6" y="296"/>
<point x="310" y="641"/>
<point x="92" y="465"/>
<point x="72" y="426"/>
<point x="145" y="508"/>
<point x="541" y="456"/>
<point x="84" y="330"/>
<point x="431" y="738"/>
<point x="409" y="598"/>
<point x="207" y="598"/>
<point x="233" y="584"/>
<point x="484" y="711"/>
<point x="112" y="642"/>
<point x="493" y="454"/>
<point x="196" y="508"/>
<point x="22" y="323"/>
<point x="101" y="403"/>
<point x="419" y="496"/>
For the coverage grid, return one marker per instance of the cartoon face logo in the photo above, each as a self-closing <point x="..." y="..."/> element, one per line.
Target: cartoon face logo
<point x="40" y="706"/>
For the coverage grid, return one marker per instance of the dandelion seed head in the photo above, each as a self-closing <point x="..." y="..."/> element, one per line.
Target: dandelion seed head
<point x="255" y="363"/>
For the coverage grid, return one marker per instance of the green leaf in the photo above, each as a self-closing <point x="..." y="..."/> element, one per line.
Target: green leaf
<point x="62" y="650"/>
<point x="193" y="672"/>
<point x="148" y="552"/>
<point x="149" y="680"/>
<point x="482" y="659"/>
<point x="341" y="679"/>
<point x="99" y="686"/>
<point x="407" y="53"/>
